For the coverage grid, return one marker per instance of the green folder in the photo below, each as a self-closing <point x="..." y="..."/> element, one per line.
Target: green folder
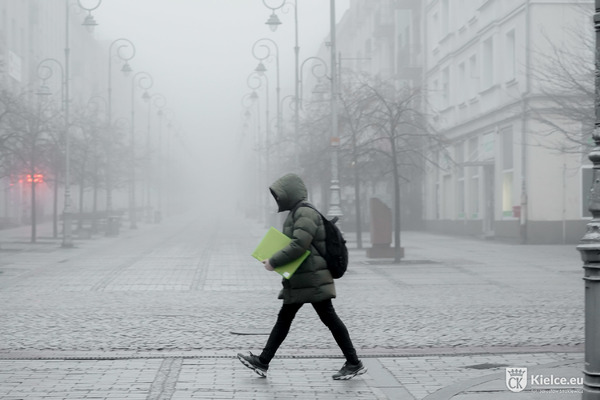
<point x="271" y="243"/>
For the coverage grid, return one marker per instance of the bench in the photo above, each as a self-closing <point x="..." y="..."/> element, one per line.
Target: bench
<point x="85" y="224"/>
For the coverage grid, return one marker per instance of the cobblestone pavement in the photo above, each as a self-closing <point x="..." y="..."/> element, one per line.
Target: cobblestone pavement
<point x="188" y="287"/>
<point x="419" y="377"/>
<point x="164" y="308"/>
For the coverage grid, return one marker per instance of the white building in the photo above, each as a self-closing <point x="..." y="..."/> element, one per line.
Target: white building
<point x="504" y="175"/>
<point x="481" y="62"/>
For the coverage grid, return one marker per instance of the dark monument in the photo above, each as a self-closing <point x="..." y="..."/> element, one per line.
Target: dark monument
<point x="381" y="230"/>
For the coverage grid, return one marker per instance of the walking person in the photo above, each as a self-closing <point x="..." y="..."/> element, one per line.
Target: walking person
<point x="311" y="283"/>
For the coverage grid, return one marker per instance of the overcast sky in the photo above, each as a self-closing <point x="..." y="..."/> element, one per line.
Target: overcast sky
<point x="199" y="53"/>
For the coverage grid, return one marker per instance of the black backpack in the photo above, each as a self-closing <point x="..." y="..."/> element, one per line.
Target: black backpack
<point x="336" y="251"/>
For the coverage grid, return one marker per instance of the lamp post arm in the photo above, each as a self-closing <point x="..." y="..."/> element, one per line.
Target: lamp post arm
<point x="321" y="64"/>
<point x="123" y="44"/>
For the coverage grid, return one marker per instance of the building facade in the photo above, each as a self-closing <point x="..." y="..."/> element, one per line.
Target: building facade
<point x="507" y="170"/>
<point x="504" y="174"/>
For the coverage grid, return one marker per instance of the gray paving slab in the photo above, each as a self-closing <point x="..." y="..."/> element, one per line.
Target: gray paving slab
<point x="163" y="309"/>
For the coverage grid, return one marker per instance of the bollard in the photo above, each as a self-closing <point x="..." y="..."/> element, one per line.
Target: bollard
<point x="590" y="254"/>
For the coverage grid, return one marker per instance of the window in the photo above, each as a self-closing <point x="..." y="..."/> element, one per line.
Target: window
<point x="506" y="136"/>
<point x="447" y="193"/>
<point x="435" y="29"/>
<point x="436" y="95"/>
<point x="473" y="156"/>
<point x="474" y="81"/>
<point x="462" y="82"/>
<point x="509" y="56"/>
<point x="445" y="18"/>
<point x="487" y="68"/>
<point x="460" y="179"/>
<point x="445" y="87"/>
<point x="404" y="26"/>
<point x="463" y="16"/>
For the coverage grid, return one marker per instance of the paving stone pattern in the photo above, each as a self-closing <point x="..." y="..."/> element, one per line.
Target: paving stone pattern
<point x="176" y="301"/>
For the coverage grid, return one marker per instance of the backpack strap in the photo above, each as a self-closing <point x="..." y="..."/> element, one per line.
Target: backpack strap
<point x="307" y="204"/>
<point x="298" y="205"/>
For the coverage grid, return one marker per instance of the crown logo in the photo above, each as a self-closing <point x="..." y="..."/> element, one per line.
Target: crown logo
<point x="516" y="372"/>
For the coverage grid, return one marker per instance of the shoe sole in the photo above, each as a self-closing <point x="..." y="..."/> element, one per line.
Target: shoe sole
<point x="350" y="376"/>
<point x="258" y="371"/>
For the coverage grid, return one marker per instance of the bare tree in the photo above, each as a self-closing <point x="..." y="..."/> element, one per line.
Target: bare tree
<point x="10" y="103"/>
<point x="312" y="146"/>
<point x="356" y="100"/>
<point x="28" y="143"/>
<point x="564" y="78"/>
<point x="397" y="134"/>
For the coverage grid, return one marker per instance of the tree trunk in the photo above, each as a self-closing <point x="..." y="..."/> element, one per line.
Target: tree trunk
<point x="396" y="176"/>
<point x="55" y="208"/>
<point x="33" y="211"/>
<point x="357" y="194"/>
<point x="95" y="199"/>
<point x="80" y="222"/>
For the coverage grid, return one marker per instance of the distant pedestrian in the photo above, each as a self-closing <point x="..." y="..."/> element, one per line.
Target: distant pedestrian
<point x="311" y="283"/>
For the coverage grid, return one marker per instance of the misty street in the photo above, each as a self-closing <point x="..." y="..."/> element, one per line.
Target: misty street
<point x="189" y="288"/>
<point x="432" y="167"/>
<point x="188" y="284"/>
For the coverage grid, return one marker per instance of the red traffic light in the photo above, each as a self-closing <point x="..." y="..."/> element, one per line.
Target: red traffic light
<point x="37" y="178"/>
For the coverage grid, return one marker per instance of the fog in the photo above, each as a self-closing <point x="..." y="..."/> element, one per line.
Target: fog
<point x="200" y="55"/>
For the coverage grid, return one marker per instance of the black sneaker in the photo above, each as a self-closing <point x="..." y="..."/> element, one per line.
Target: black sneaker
<point x="349" y="371"/>
<point x="253" y="362"/>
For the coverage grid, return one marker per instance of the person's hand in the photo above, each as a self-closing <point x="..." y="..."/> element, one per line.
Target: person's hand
<point x="268" y="265"/>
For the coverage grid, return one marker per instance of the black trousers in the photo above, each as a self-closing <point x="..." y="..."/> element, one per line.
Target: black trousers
<point x="327" y="315"/>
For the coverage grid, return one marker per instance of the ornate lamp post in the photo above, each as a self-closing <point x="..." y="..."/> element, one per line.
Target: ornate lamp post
<point x="45" y="72"/>
<point x="157" y="100"/>
<point x="125" y="51"/>
<point x="261" y="50"/>
<point x="89" y="22"/>
<point x="255" y="81"/>
<point x="590" y="250"/>
<point x="94" y="104"/>
<point x="169" y="116"/>
<point x="318" y="64"/>
<point x="141" y="80"/>
<point x="248" y="101"/>
<point x="335" y="209"/>
<point x="273" y="23"/>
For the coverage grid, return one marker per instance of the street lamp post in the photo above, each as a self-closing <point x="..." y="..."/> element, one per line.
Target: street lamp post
<point x="165" y="175"/>
<point x="248" y="100"/>
<point x="159" y="101"/>
<point x="125" y="51"/>
<point x="273" y="23"/>
<point x="255" y="82"/>
<point x="590" y="250"/>
<point x="265" y="44"/>
<point x="142" y="80"/>
<point x="45" y="72"/>
<point x="94" y="103"/>
<point x="335" y="209"/>
<point x="320" y="65"/>
<point x="89" y="22"/>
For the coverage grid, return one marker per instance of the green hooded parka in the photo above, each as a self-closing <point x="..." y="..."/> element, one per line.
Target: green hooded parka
<point x="312" y="281"/>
